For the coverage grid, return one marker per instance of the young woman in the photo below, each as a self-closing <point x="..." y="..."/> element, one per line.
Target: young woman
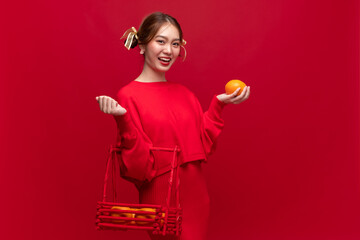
<point x="153" y="112"/>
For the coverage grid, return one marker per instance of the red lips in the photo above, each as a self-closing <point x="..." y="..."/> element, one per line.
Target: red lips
<point x="164" y="60"/>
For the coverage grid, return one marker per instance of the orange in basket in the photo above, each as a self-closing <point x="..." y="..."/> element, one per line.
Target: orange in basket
<point x="121" y="214"/>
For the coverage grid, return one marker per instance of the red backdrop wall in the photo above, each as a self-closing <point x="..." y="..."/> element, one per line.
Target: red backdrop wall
<point x="287" y="162"/>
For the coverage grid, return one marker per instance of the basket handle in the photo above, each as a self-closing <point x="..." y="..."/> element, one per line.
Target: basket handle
<point x="174" y="165"/>
<point x="111" y="163"/>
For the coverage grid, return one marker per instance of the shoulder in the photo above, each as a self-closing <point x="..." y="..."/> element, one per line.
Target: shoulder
<point x="185" y="95"/>
<point x="183" y="89"/>
<point x="127" y="91"/>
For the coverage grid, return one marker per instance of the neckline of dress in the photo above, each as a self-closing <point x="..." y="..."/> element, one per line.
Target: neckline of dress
<point x="151" y="82"/>
<point x="166" y="83"/>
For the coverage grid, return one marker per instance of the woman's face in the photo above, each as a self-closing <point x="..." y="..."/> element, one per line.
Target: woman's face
<point x="162" y="51"/>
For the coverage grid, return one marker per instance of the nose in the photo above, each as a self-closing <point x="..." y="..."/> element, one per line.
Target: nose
<point x="167" y="49"/>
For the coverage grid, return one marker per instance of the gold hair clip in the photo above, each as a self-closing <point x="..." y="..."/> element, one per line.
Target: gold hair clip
<point x="182" y="45"/>
<point x="129" y="35"/>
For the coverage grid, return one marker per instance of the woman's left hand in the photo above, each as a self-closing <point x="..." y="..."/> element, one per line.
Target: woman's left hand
<point x="232" y="98"/>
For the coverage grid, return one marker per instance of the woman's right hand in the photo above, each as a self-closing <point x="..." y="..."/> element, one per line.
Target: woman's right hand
<point x="110" y="106"/>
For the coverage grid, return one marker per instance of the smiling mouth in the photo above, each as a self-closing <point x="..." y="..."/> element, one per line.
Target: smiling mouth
<point x="166" y="60"/>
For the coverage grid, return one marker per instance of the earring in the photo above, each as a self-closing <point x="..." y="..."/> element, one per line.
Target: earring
<point x="142" y="51"/>
<point x="184" y="52"/>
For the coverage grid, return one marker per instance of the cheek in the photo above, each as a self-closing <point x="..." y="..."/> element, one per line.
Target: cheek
<point x="152" y="49"/>
<point x="176" y="52"/>
<point x="150" y="55"/>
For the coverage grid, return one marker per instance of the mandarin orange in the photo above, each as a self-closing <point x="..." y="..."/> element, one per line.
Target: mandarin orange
<point x="145" y="216"/>
<point x="232" y="85"/>
<point x="123" y="214"/>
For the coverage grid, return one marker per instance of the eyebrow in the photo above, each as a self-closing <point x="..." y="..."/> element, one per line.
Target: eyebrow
<point x="177" y="39"/>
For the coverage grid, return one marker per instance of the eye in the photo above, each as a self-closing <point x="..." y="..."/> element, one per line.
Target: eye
<point x="176" y="44"/>
<point x="160" y="41"/>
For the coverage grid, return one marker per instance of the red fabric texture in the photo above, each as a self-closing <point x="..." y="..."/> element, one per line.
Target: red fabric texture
<point x="167" y="114"/>
<point x="163" y="114"/>
<point x="194" y="200"/>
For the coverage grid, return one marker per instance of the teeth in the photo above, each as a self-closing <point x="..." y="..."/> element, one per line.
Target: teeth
<point x="165" y="59"/>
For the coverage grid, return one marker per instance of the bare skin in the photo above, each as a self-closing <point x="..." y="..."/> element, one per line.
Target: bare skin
<point x="232" y="98"/>
<point x="110" y="106"/>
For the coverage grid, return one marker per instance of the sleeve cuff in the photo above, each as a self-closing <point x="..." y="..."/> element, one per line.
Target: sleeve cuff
<point x="124" y="122"/>
<point x="218" y="102"/>
<point x="215" y="108"/>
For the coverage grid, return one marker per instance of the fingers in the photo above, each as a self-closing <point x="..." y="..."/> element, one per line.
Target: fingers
<point x="243" y="96"/>
<point x="243" y="93"/>
<point x="102" y="104"/>
<point x="235" y="93"/>
<point x="106" y="104"/>
<point x="247" y="93"/>
<point x="232" y="98"/>
<point x="112" y="105"/>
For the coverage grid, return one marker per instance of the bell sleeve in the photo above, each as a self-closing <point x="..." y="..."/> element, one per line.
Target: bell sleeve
<point x="135" y="158"/>
<point x="212" y="125"/>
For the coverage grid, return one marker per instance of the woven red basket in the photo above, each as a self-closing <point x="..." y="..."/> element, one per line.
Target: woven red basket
<point x="124" y="216"/>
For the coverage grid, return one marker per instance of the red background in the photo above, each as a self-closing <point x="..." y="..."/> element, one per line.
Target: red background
<point x="287" y="162"/>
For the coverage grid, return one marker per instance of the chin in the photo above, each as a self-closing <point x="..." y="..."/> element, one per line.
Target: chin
<point x="163" y="69"/>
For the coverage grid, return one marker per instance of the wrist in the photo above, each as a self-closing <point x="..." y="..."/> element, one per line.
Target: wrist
<point x="221" y="100"/>
<point x="119" y="112"/>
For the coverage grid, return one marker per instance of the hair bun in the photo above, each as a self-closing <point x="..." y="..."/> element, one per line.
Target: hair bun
<point x="131" y="38"/>
<point x="134" y="43"/>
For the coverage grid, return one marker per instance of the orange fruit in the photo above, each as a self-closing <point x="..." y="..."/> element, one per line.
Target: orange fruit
<point x="124" y="214"/>
<point x="232" y="85"/>
<point x="145" y="216"/>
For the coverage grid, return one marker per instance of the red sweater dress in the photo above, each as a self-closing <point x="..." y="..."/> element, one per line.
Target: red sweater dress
<point x="167" y="114"/>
